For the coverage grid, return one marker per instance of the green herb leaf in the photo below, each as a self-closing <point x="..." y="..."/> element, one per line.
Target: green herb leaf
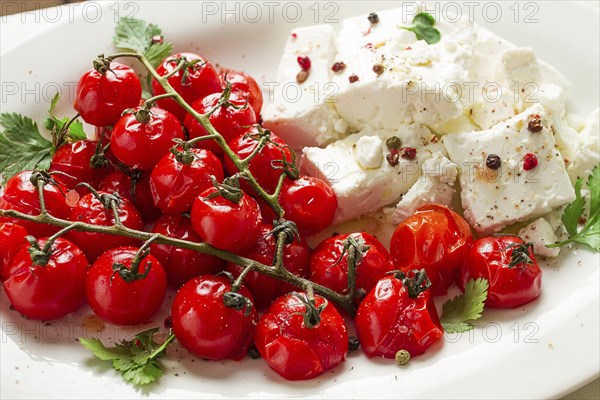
<point x="423" y="28"/>
<point x="590" y="232"/>
<point x="22" y="147"/>
<point x="457" y="313"/>
<point x="136" y="360"/>
<point x="55" y="124"/>
<point x="136" y="34"/>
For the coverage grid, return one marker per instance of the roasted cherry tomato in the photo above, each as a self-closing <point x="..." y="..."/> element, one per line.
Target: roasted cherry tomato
<point x="435" y="238"/>
<point x="92" y="210"/>
<point x="396" y="316"/>
<point x="12" y="238"/>
<point x="47" y="285"/>
<point x="192" y="83"/>
<point x="309" y="202"/>
<point x="180" y="264"/>
<point x="245" y="87"/>
<point x="206" y="326"/>
<point x="224" y="224"/>
<point x="297" y="350"/>
<point x="178" y="179"/>
<point x="120" y="301"/>
<point x="510" y="267"/>
<point x="102" y="96"/>
<point x="264" y="288"/>
<point x="230" y="120"/>
<point x="20" y="195"/>
<point x="74" y="160"/>
<point x="329" y="264"/>
<point x="140" y="145"/>
<point x="264" y="164"/>
<point x="135" y="189"/>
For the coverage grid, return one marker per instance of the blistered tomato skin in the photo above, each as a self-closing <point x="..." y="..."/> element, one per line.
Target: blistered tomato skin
<point x="125" y="303"/>
<point x="388" y="320"/>
<point x="245" y="87"/>
<point x="295" y="351"/>
<point x="73" y="159"/>
<point x="435" y="238"/>
<point x="20" y="195"/>
<point x="200" y="80"/>
<point x="12" y="238"/>
<point x="141" y="146"/>
<point x="204" y="325"/>
<point x="180" y="264"/>
<point x="51" y="291"/>
<point x="101" y="98"/>
<point x="175" y="185"/>
<point x="509" y="286"/>
<point x="224" y="224"/>
<point x="266" y="289"/>
<point x="330" y="269"/>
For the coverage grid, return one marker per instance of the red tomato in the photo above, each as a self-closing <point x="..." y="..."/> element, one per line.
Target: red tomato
<point x="204" y="325"/>
<point x="199" y="81"/>
<point x="227" y="120"/>
<point x="73" y="159"/>
<point x="90" y="210"/>
<point x="245" y="87"/>
<point x="261" y="166"/>
<point x="51" y="288"/>
<point x="435" y="238"/>
<point x="117" y="301"/>
<point x="101" y="98"/>
<point x="20" y="195"/>
<point x="175" y="185"/>
<point x="309" y="202"/>
<point x="12" y="238"/>
<point x="225" y="224"/>
<point x="181" y="265"/>
<point x="141" y="146"/>
<point x="510" y="267"/>
<point x="391" y="319"/>
<point x="136" y="191"/>
<point x="266" y="289"/>
<point x="330" y="269"/>
<point x="294" y="350"/>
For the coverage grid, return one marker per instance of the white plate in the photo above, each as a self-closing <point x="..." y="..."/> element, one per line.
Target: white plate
<point x="544" y="349"/>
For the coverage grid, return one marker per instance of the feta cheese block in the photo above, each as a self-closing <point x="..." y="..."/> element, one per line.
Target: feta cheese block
<point x="434" y="186"/>
<point x="299" y="112"/>
<point x="588" y="154"/>
<point x="540" y="233"/>
<point x="494" y="199"/>
<point x="362" y="189"/>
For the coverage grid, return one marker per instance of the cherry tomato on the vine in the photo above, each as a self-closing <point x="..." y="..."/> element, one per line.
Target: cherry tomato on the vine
<point x="330" y="269"/>
<point x="510" y="267"/>
<point x="74" y="161"/>
<point x="12" y="238"/>
<point x="175" y="183"/>
<point x="266" y="289"/>
<point x="49" y="286"/>
<point x="192" y="83"/>
<point x="224" y="224"/>
<point x="309" y="202"/>
<point x="122" y="302"/>
<point x="180" y="264"/>
<point x="20" y="195"/>
<point x="435" y="238"/>
<point x="136" y="190"/>
<point x="91" y="210"/>
<point x="140" y="145"/>
<point x="206" y="326"/>
<point x="245" y="87"/>
<point x="102" y="97"/>
<point x="293" y="349"/>
<point x="393" y="318"/>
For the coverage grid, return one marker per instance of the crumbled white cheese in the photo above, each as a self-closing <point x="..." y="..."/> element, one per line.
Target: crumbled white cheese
<point x="369" y="151"/>
<point x="540" y="233"/>
<point x="588" y="154"/>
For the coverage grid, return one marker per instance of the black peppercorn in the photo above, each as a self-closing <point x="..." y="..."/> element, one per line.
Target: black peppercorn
<point x="373" y="18"/>
<point x="353" y="343"/>
<point x="493" y="161"/>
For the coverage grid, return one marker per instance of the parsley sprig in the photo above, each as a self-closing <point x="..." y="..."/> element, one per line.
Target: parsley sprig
<point x="459" y="312"/>
<point x="136" y="360"/>
<point x="423" y="27"/>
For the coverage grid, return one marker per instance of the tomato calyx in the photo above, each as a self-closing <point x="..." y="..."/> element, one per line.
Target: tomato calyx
<point x="237" y="301"/>
<point x="132" y="274"/>
<point x="415" y="281"/>
<point x="355" y="249"/>
<point x="44" y="178"/>
<point x="520" y="254"/>
<point x="182" y="152"/>
<point x="229" y="189"/>
<point x="98" y="160"/>
<point x="102" y="64"/>
<point x="288" y="228"/>
<point x="39" y="256"/>
<point x="109" y="201"/>
<point x="312" y="313"/>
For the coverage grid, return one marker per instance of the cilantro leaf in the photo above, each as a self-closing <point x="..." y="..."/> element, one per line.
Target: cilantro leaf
<point x="590" y="232"/>
<point x="136" y="34"/>
<point x="423" y="28"/>
<point x="53" y="124"/>
<point x="22" y="147"/>
<point x="136" y="360"/>
<point x="459" y="311"/>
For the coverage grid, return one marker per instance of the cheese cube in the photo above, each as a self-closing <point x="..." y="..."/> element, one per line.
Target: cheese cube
<point x="540" y="233"/>
<point x="369" y="151"/>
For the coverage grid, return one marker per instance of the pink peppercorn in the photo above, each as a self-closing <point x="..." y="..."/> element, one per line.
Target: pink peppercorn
<point x="408" y="153"/>
<point x="304" y="62"/>
<point x="530" y="161"/>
